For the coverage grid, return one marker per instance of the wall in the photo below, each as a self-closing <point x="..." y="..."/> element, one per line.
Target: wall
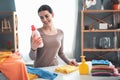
<point x="7" y="5"/>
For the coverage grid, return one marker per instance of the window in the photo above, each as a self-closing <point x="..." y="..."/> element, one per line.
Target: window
<point x="65" y="18"/>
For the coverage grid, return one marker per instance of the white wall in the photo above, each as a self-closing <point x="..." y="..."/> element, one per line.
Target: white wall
<point x="65" y="18"/>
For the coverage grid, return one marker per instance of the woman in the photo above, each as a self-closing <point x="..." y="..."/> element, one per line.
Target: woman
<point x="52" y="39"/>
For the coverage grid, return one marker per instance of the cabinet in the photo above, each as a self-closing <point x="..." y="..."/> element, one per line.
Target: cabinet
<point x="91" y="32"/>
<point x="8" y="31"/>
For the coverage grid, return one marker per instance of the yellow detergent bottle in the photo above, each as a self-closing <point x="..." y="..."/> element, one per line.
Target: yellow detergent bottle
<point x="83" y="67"/>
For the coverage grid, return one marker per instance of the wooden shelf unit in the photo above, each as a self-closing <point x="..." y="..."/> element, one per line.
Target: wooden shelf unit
<point x="7" y="35"/>
<point x="98" y="20"/>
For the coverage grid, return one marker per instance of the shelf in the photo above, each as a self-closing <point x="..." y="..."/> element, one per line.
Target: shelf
<point x="96" y="19"/>
<point x="10" y="12"/>
<point x="115" y="30"/>
<point x="4" y="50"/>
<point x="98" y="50"/>
<point x="6" y="14"/>
<point x="6" y="32"/>
<point x="91" y="11"/>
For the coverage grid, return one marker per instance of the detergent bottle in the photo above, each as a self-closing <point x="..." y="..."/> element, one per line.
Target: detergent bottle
<point x="36" y="34"/>
<point x="83" y="67"/>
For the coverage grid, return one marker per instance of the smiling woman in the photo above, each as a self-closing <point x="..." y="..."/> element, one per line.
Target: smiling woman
<point x="65" y="19"/>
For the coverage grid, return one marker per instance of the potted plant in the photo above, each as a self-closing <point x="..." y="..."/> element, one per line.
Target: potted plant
<point x="116" y="4"/>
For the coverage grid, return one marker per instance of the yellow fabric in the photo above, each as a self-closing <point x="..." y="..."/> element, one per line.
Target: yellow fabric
<point x="65" y="69"/>
<point x="4" y="55"/>
<point x="32" y="76"/>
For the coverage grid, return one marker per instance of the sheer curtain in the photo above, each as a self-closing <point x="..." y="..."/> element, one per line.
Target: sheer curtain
<point x="65" y="18"/>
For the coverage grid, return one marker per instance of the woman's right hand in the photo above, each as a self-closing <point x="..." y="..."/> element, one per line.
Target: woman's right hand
<point x="36" y="42"/>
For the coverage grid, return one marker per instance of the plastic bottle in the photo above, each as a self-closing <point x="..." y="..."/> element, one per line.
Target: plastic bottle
<point x="83" y="67"/>
<point x="115" y="42"/>
<point x="36" y="34"/>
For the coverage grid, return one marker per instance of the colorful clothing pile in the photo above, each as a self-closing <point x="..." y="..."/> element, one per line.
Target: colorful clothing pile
<point x="13" y="68"/>
<point x="103" y="68"/>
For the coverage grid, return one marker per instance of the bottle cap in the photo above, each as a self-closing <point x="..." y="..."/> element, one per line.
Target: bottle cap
<point x="33" y="27"/>
<point x="83" y="58"/>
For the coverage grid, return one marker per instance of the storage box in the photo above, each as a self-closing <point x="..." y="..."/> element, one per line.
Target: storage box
<point x="103" y="26"/>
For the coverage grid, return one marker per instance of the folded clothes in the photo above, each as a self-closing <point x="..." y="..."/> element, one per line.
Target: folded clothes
<point x="42" y="73"/>
<point x="92" y="71"/>
<point x="65" y="69"/>
<point x="102" y="74"/>
<point x="103" y="68"/>
<point x="100" y="66"/>
<point x="99" y="62"/>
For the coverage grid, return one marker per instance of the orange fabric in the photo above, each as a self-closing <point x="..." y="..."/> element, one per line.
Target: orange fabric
<point x="14" y="68"/>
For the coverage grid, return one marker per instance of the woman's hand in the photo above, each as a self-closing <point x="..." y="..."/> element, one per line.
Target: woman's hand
<point x="73" y="63"/>
<point x="36" y="42"/>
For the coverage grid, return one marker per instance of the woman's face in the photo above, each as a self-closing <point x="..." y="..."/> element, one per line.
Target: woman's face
<point x="46" y="17"/>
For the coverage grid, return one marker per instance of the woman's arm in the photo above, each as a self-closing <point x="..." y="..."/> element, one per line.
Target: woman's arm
<point x="61" y="54"/>
<point x="32" y="52"/>
<point x="63" y="57"/>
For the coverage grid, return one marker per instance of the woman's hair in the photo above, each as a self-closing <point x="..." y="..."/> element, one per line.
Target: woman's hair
<point x="45" y="7"/>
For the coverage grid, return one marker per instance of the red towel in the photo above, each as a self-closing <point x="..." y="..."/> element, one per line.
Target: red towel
<point x="102" y="68"/>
